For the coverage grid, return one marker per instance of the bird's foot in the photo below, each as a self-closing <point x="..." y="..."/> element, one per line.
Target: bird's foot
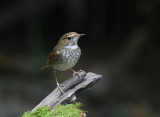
<point x="76" y="73"/>
<point x="80" y="70"/>
<point x="59" y="87"/>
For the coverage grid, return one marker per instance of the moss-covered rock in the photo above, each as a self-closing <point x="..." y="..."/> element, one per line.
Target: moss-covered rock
<point x="69" y="110"/>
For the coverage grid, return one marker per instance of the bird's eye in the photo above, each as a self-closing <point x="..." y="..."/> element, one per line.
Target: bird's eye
<point x="69" y="38"/>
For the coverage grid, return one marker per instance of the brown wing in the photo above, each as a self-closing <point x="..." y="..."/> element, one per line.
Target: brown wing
<point x="51" y="58"/>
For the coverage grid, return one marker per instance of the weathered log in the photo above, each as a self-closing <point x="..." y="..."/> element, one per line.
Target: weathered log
<point x="73" y="87"/>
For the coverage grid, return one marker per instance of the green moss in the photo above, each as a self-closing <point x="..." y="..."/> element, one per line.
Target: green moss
<point x="69" y="110"/>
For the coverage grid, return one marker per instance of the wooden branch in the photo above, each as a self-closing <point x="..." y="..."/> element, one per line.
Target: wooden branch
<point x="73" y="87"/>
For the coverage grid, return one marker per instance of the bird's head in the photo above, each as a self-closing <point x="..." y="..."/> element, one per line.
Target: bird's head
<point x="70" y="39"/>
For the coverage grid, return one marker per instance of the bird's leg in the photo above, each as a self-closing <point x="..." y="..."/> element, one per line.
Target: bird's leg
<point x="58" y="85"/>
<point x="75" y="73"/>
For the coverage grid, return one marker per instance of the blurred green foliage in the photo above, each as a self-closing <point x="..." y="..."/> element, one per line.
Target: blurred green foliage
<point x="69" y="110"/>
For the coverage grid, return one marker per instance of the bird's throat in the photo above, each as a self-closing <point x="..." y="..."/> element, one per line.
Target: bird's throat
<point x="72" y="47"/>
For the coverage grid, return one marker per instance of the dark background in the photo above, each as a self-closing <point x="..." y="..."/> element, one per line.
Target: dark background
<point x="121" y="44"/>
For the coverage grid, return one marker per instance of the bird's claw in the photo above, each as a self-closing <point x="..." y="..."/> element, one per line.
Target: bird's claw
<point x="59" y="87"/>
<point x="76" y="73"/>
<point x="80" y="70"/>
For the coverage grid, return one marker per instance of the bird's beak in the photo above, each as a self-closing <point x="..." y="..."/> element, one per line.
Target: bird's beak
<point x="80" y="35"/>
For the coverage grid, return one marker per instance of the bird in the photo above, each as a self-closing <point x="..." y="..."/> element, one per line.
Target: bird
<point x="64" y="55"/>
